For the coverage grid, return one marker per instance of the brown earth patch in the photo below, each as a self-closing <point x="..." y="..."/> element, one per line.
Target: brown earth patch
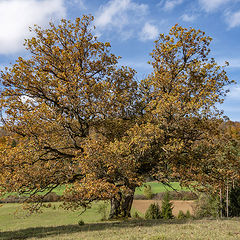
<point x="142" y="205"/>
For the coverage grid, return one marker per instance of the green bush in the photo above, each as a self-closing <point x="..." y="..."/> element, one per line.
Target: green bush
<point x="181" y="215"/>
<point x="166" y="207"/>
<point x="207" y="206"/>
<point x="147" y="191"/>
<point x="153" y="212"/>
<point x="81" y="222"/>
<point x="188" y="214"/>
<point x="136" y="215"/>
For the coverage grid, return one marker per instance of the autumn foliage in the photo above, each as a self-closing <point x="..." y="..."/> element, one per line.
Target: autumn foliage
<point x="83" y="121"/>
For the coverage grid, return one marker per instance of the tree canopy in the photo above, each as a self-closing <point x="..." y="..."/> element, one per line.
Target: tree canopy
<point x="81" y="120"/>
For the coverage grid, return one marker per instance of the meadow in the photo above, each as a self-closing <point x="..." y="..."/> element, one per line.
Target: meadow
<point x="58" y="224"/>
<point x="155" y="186"/>
<point x="160" y="187"/>
<point x="55" y="223"/>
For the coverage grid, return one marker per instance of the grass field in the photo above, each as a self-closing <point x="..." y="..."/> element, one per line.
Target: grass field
<point x="159" y="187"/>
<point x="12" y="217"/>
<point x="56" y="223"/>
<point x="156" y="188"/>
<point x="59" y="224"/>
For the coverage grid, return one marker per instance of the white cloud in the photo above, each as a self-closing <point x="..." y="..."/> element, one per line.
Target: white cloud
<point x="212" y="5"/>
<point x="120" y="15"/>
<point x="171" y="4"/>
<point x="233" y="19"/>
<point x="233" y="62"/>
<point x="17" y="15"/>
<point x="78" y="3"/>
<point x="149" y="32"/>
<point x="234" y="93"/>
<point x="109" y="11"/>
<point x="188" y="18"/>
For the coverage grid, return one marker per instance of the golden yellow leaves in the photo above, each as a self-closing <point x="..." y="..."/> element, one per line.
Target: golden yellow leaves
<point x="89" y="125"/>
<point x="74" y="86"/>
<point x="183" y="75"/>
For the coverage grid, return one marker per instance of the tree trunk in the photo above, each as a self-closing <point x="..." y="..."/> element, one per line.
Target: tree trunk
<point x="127" y="205"/>
<point x="121" y="206"/>
<point x="221" y="210"/>
<point x="227" y="201"/>
<point x="115" y="208"/>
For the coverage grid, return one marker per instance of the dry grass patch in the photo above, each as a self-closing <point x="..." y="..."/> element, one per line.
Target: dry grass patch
<point x="135" y="229"/>
<point x="62" y="225"/>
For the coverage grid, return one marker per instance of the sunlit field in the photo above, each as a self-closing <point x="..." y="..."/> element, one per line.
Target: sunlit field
<point x="56" y="223"/>
<point x="155" y="186"/>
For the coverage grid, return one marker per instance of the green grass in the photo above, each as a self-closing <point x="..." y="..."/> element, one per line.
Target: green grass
<point x="59" y="190"/>
<point x="160" y="187"/>
<point x="62" y="225"/>
<point x="12" y="217"/>
<point x="59" y="224"/>
<point x="156" y="188"/>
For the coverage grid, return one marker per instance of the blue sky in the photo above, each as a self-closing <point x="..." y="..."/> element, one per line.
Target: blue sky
<point x="131" y="26"/>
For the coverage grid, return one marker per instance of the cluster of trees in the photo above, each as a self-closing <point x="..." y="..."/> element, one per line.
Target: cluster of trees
<point x="80" y="120"/>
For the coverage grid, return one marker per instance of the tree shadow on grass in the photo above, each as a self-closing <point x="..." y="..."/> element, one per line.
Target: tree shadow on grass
<point x="41" y="232"/>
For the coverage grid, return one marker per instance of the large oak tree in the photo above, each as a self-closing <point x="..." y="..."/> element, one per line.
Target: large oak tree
<point x="84" y="122"/>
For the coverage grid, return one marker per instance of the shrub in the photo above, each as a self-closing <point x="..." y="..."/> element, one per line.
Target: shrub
<point x="153" y="212"/>
<point x="181" y="215"/>
<point x="167" y="207"/>
<point x="147" y="191"/>
<point x="136" y="215"/>
<point x="207" y="206"/>
<point x="188" y="214"/>
<point x="81" y="222"/>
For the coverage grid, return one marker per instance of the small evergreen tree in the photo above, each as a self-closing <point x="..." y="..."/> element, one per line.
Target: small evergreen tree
<point x="167" y="207"/>
<point x="153" y="212"/>
<point x="181" y="215"/>
<point x="136" y="215"/>
<point x="188" y="214"/>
